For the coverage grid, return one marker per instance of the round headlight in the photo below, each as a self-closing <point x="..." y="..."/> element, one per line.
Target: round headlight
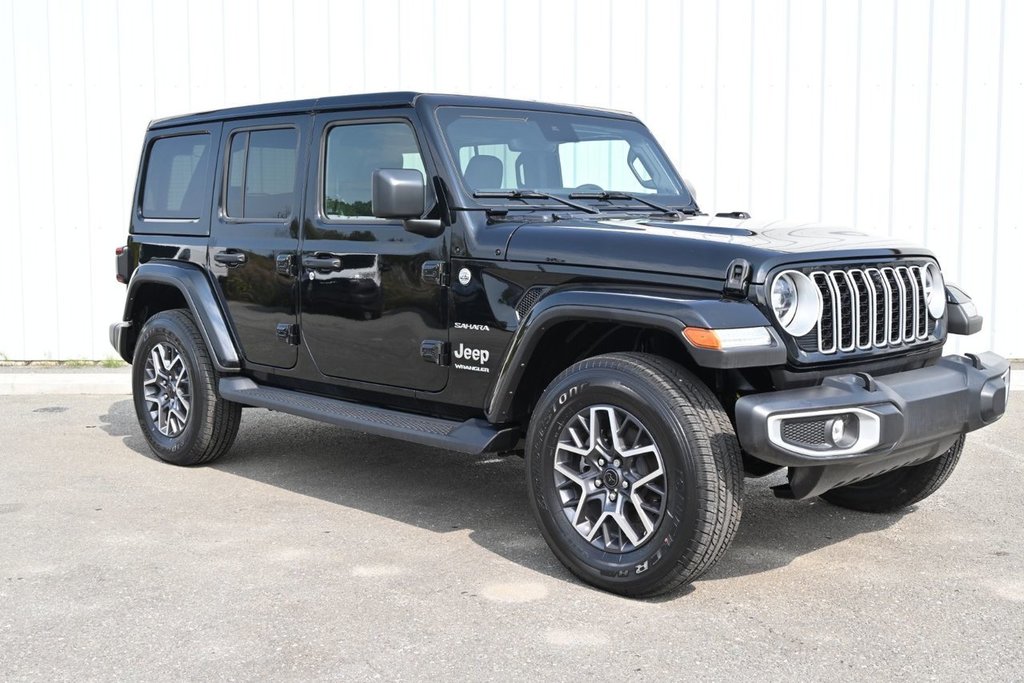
<point x="796" y="302"/>
<point x="934" y="291"/>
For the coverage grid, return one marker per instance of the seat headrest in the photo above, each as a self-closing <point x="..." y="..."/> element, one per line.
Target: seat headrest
<point x="484" y="172"/>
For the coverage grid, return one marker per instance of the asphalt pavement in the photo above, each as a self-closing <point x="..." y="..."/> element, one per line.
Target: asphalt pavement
<point x="313" y="552"/>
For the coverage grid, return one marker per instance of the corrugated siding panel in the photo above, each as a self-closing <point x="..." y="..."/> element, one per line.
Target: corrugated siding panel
<point x="899" y="117"/>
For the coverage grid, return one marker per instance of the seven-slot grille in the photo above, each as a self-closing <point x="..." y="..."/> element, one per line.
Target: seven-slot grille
<point x="865" y="308"/>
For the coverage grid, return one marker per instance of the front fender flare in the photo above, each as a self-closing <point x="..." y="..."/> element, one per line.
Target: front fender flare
<point x="659" y="311"/>
<point x="197" y="291"/>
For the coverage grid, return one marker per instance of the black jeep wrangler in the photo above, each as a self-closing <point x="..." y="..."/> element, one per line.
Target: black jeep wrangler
<point x="496" y="276"/>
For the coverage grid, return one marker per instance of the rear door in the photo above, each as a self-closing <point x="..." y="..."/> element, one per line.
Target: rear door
<point x="369" y="306"/>
<point x="254" y="233"/>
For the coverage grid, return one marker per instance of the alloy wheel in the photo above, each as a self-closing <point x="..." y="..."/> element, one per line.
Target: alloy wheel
<point x="168" y="392"/>
<point x="610" y="478"/>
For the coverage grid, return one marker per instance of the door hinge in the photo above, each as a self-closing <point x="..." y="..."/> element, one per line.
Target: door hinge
<point x="436" y="352"/>
<point x="288" y="333"/>
<point x="435" y="272"/>
<point x="285" y="264"/>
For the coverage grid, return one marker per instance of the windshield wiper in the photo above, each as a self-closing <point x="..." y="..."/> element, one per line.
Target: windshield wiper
<point x="531" y="194"/>
<point x="608" y="196"/>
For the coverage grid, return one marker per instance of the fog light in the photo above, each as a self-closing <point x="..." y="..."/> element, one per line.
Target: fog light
<point x="838" y="429"/>
<point x="844" y="429"/>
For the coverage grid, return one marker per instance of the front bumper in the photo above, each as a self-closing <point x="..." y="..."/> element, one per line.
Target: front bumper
<point x="895" y="420"/>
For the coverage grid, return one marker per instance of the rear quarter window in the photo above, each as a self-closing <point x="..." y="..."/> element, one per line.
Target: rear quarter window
<point x="177" y="176"/>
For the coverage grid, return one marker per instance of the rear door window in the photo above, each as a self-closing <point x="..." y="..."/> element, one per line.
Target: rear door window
<point x="261" y="174"/>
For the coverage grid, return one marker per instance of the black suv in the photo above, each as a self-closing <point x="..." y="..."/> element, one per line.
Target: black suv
<point x="497" y="276"/>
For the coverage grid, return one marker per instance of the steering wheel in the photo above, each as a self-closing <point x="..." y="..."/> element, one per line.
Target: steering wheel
<point x="588" y="187"/>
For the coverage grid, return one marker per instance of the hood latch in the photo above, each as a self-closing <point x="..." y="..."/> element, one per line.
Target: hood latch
<point x="737" y="277"/>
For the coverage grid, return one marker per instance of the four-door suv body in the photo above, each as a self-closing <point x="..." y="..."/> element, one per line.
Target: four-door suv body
<point x="496" y="276"/>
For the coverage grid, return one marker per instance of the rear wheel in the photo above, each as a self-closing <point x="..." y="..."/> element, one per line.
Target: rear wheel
<point x="174" y="385"/>
<point x="899" y="488"/>
<point x="634" y="473"/>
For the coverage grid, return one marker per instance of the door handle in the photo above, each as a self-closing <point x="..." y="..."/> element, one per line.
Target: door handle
<point x="321" y="263"/>
<point x="230" y="258"/>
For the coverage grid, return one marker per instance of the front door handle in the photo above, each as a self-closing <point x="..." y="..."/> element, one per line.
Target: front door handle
<point x="321" y="263"/>
<point x="230" y="258"/>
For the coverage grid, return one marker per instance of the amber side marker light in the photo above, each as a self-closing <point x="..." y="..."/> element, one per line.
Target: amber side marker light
<point x="731" y="338"/>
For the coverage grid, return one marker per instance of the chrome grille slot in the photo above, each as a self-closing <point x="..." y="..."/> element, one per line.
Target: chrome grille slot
<point x="896" y="298"/>
<point x="826" y="329"/>
<point x="865" y="305"/>
<point x="867" y="308"/>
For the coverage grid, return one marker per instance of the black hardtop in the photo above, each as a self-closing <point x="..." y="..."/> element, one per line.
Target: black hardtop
<point x="382" y="100"/>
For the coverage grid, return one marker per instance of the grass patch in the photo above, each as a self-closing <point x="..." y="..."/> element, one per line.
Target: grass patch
<point x="113" y="363"/>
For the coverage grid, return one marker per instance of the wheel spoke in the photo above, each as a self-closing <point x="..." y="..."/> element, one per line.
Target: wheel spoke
<point x="156" y="361"/>
<point x="575" y="437"/>
<point x="575" y="478"/>
<point x="597" y="526"/>
<point x="638" y="505"/>
<point x="633" y="452"/>
<point x="627" y="528"/>
<point x="645" y="480"/>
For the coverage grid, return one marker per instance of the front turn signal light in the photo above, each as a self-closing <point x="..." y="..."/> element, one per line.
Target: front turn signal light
<point x="730" y="338"/>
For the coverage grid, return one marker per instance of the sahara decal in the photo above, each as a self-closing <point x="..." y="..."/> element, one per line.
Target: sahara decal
<point x="472" y="326"/>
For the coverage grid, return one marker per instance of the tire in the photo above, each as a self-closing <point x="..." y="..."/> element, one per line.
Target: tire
<point x="899" y="488"/>
<point x="656" y="402"/>
<point x="197" y="426"/>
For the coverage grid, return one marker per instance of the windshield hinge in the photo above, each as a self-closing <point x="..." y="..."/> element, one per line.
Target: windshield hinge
<point x="435" y="351"/>
<point x="737" y="277"/>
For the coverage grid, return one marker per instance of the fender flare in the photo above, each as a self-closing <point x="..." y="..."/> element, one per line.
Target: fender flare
<point x="198" y="293"/>
<point x="654" y="310"/>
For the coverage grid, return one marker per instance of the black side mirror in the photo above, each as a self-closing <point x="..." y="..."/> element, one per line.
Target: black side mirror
<point x="400" y="193"/>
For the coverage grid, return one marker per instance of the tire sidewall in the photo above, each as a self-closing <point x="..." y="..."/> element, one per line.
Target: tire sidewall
<point x="163" y="328"/>
<point x="646" y="566"/>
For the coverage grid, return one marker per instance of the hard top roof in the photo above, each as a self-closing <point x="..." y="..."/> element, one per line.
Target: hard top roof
<point x="381" y="100"/>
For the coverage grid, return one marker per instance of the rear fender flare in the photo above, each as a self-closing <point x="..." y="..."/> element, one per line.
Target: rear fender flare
<point x="197" y="291"/>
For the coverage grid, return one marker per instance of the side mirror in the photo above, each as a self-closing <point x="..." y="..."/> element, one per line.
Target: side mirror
<point x="397" y="193"/>
<point x="400" y="193"/>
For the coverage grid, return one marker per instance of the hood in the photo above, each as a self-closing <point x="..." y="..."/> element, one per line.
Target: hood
<point x="701" y="246"/>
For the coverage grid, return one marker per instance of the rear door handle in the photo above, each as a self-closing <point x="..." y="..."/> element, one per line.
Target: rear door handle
<point x="321" y="263"/>
<point x="230" y="258"/>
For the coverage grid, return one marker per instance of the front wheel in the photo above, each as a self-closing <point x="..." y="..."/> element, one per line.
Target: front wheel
<point x="634" y="473"/>
<point x="898" y="489"/>
<point x="174" y="385"/>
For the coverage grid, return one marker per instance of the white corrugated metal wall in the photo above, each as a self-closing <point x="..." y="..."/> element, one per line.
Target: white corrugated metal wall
<point x="900" y="117"/>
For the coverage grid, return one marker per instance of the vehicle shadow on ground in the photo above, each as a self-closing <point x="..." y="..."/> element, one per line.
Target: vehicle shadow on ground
<point x="443" y="491"/>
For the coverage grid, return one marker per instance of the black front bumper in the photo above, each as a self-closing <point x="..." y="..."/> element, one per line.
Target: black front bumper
<point x="905" y="418"/>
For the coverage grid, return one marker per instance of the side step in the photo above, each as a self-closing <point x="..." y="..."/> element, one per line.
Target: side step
<point x="472" y="436"/>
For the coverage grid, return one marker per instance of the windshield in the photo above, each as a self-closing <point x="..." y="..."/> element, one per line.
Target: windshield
<point x="508" y="150"/>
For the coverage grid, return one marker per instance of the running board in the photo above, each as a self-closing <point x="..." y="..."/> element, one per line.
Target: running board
<point x="472" y="436"/>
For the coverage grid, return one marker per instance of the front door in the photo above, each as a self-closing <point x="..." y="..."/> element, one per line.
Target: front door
<point x="366" y="307"/>
<point x="254" y="234"/>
